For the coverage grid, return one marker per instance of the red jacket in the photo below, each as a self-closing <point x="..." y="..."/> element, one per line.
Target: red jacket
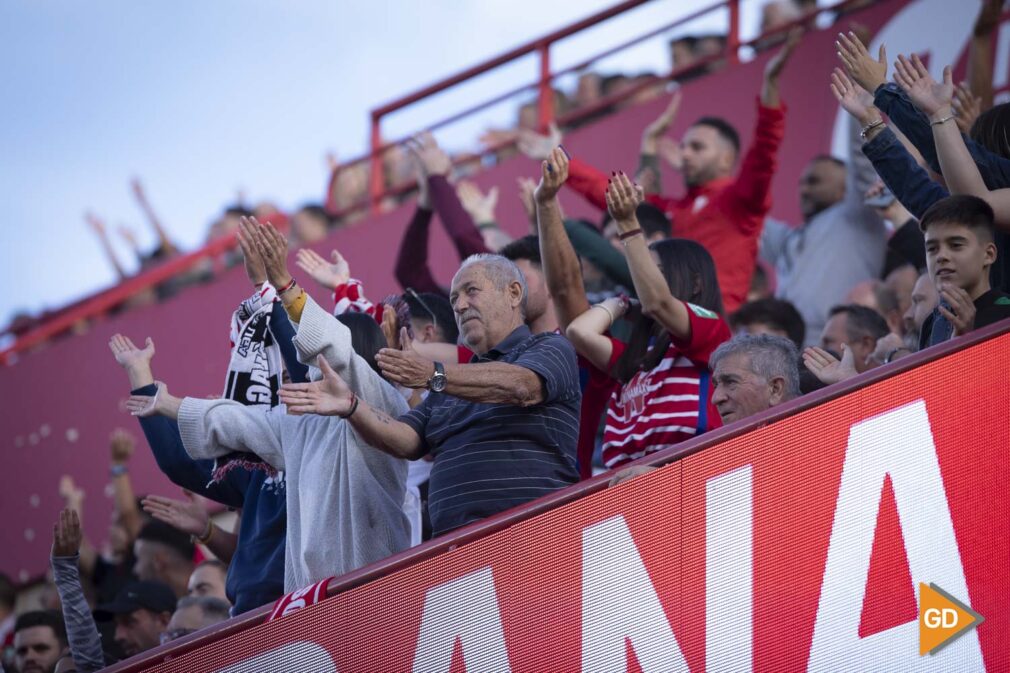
<point x="725" y="215"/>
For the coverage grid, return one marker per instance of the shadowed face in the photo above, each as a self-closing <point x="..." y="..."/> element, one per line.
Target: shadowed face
<point x="706" y="155"/>
<point x="37" y="649"/>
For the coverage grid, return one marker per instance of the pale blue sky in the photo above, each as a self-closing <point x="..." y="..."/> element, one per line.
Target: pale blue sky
<point x="201" y="99"/>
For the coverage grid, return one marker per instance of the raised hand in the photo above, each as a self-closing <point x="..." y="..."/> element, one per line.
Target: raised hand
<point x="669" y="150"/>
<point x="152" y="405"/>
<point x="121" y="445"/>
<point x="96" y="223"/>
<point x="129" y="356"/>
<point x="137" y="187"/>
<point x="967" y="106"/>
<point x="960" y="309"/>
<point x="67" y="534"/>
<point x="527" y="187"/>
<point x="479" y="205"/>
<point x="775" y="66"/>
<point x="187" y="515"/>
<point x="826" y="367"/>
<point x="537" y="146"/>
<point x="254" y="267"/>
<point x="932" y="97"/>
<point x="852" y="99"/>
<point x="432" y="158"/>
<point x="328" y="275"/>
<point x="861" y="67"/>
<point x="553" y="174"/>
<point x="329" y="396"/>
<point x="405" y="366"/>
<point x="71" y="494"/>
<point x="658" y="129"/>
<point x="623" y="198"/>
<point x="388" y="326"/>
<point x="272" y="248"/>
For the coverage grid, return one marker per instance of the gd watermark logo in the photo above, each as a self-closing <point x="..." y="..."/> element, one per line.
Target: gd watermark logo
<point x="942" y="618"/>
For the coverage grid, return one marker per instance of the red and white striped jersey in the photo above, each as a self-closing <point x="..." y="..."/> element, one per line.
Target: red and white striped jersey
<point x="659" y="408"/>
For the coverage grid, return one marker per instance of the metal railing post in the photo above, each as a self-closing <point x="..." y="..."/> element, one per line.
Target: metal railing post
<point x="545" y="101"/>
<point x="376" y="181"/>
<point x="733" y="39"/>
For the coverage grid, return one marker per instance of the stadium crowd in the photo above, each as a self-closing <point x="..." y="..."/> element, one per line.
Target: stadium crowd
<point x="348" y="433"/>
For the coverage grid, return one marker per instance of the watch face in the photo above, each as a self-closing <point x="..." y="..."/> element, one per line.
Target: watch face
<point x="438" y="383"/>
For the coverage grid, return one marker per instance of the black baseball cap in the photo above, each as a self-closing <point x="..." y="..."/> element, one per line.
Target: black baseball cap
<point x="153" y="596"/>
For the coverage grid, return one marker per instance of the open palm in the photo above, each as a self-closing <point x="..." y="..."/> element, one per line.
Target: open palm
<point x="328" y="396"/>
<point x="928" y="95"/>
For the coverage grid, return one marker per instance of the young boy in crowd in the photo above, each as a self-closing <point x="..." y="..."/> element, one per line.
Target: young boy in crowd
<point x="960" y="250"/>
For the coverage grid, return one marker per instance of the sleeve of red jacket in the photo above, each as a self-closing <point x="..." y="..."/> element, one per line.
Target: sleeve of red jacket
<point x="588" y="181"/>
<point x="411" y="268"/>
<point x="457" y="222"/>
<point x="752" y="188"/>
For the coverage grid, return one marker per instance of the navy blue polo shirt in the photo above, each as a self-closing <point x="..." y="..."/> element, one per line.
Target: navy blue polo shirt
<point x="490" y="457"/>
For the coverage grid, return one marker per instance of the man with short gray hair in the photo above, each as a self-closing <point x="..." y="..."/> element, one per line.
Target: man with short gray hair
<point x="502" y="429"/>
<point x="193" y="613"/>
<point x="752" y="373"/>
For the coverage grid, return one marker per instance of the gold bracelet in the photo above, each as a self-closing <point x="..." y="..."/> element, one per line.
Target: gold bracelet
<point x="205" y="538"/>
<point x="941" y="121"/>
<point x="609" y="312"/>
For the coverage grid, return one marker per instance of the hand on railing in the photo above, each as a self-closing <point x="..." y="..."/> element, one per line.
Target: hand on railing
<point x="432" y="158"/>
<point x="860" y="66"/>
<point x="538" y="146"/>
<point x="329" y="276"/>
<point x="479" y="205"/>
<point x="659" y="128"/>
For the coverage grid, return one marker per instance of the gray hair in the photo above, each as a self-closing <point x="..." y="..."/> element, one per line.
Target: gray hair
<point x="501" y="271"/>
<point x="770" y="356"/>
<point x="214" y="609"/>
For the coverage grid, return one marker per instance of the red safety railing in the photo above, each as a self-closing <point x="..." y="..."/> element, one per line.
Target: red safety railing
<point x="487" y="527"/>
<point x="105" y="301"/>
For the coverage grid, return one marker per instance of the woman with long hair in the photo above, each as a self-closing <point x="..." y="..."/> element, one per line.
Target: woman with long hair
<point x="665" y="394"/>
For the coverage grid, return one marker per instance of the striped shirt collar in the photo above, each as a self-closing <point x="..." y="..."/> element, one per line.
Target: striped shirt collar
<point x="505" y="346"/>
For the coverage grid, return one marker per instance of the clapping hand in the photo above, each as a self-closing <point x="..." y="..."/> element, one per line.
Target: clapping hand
<point x="553" y="174"/>
<point x="861" y="67"/>
<point x="852" y="99"/>
<point x="479" y="205"/>
<point x="932" y="97"/>
<point x="433" y="159"/>
<point x="967" y="106"/>
<point x="826" y="367"/>
<point x="271" y="247"/>
<point x="959" y="308"/>
<point x="538" y="146"/>
<point x="658" y="129"/>
<point x="328" y="275"/>
<point x="67" y="534"/>
<point x="405" y="366"/>
<point x="623" y="198"/>
<point x="329" y="396"/>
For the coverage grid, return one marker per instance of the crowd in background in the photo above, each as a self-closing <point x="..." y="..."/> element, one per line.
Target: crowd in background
<point x="350" y="432"/>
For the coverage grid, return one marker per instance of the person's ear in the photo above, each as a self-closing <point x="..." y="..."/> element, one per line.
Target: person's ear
<point x="990" y="254"/>
<point x="164" y="618"/>
<point x="515" y="294"/>
<point x="778" y="390"/>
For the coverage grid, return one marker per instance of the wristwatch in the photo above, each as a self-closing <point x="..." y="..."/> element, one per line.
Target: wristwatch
<point x="436" y="383"/>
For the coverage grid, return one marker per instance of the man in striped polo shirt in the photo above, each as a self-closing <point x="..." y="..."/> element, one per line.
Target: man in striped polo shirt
<point x="502" y="429"/>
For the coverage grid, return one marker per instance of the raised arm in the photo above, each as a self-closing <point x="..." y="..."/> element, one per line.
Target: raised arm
<point x="82" y="633"/>
<point x="865" y="123"/>
<point x="458" y="224"/>
<point x="583" y="179"/>
<point x="481" y="208"/>
<point x="934" y="99"/>
<point x="980" y="52"/>
<point x="648" y="160"/>
<point x="559" y="261"/>
<point x="190" y="517"/>
<point x="588" y="332"/>
<point x="653" y="291"/>
<point x="98" y="226"/>
<point x="751" y="190"/>
<point x="121" y="446"/>
<point x="331" y="396"/>
<point x="152" y="218"/>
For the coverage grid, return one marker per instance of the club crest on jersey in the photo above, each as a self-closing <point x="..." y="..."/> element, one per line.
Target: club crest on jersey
<point x="702" y="312"/>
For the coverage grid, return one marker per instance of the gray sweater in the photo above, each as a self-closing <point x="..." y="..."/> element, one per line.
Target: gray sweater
<point x="82" y="634"/>
<point x="344" y="497"/>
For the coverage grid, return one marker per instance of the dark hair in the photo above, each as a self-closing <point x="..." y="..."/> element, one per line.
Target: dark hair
<point x="690" y="275"/>
<point x="173" y="538"/>
<point x="366" y="336"/>
<point x="776" y="313"/>
<point x="238" y="211"/>
<point x="723" y="128"/>
<point x="213" y="563"/>
<point x="318" y="212"/>
<point x="990" y="130"/>
<point x="429" y="305"/>
<point x="8" y="594"/>
<point x="861" y="321"/>
<point x="51" y="618"/>
<point x="212" y="608"/>
<point x="829" y="159"/>
<point x="965" y="210"/>
<point x="527" y="247"/>
<point x="653" y="220"/>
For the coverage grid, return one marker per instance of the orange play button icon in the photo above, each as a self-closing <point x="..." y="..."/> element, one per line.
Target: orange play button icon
<point x="942" y="618"/>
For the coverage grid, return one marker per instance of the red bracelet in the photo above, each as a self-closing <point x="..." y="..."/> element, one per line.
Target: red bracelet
<point x="628" y="234"/>
<point x="287" y="287"/>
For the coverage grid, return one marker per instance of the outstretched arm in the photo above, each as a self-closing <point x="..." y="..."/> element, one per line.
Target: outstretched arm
<point x="121" y="446"/>
<point x="331" y="396"/>
<point x="559" y="261"/>
<point x="98" y="226"/>
<point x="190" y="517"/>
<point x="152" y="218"/>
<point x="82" y="634"/>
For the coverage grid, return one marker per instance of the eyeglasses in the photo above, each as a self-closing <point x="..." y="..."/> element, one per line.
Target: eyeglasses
<point x="175" y="634"/>
<point x="424" y="305"/>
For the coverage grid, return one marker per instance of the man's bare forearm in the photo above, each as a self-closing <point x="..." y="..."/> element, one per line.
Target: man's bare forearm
<point x="385" y="433"/>
<point x="494" y="383"/>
